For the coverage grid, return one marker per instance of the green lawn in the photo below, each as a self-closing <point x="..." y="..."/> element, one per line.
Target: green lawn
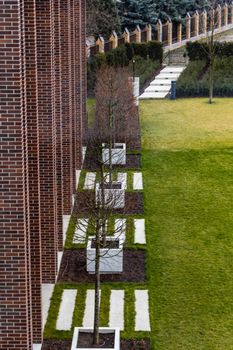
<point x="188" y="182"/>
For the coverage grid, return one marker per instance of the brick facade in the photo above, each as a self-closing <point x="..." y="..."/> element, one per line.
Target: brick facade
<point x="42" y="108"/>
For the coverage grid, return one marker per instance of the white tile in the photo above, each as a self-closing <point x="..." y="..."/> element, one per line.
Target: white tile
<point x="78" y="173"/>
<point x="137" y="181"/>
<point x="120" y="229"/>
<point x="153" y="95"/>
<point x="88" y="318"/>
<point x="65" y="315"/>
<point x="159" y="81"/>
<point x="36" y="346"/>
<point x="47" y="292"/>
<point x="142" y="319"/>
<point x="66" y="220"/>
<point x="158" y="88"/>
<point x="59" y="259"/>
<point x="122" y="177"/>
<point x="89" y="183"/>
<point x="116" y="317"/>
<point x="139" y="234"/>
<point x="80" y="231"/>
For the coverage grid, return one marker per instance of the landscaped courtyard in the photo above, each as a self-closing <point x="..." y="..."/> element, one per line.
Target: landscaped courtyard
<point x="187" y="163"/>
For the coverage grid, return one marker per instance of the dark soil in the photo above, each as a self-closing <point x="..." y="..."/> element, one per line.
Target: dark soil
<point x="85" y="340"/>
<point x="73" y="267"/>
<point x="125" y="345"/>
<point x="84" y="203"/>
<point x="133" y="161"/>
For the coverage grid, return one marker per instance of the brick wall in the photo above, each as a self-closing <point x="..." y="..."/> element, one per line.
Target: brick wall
<point x="33" y="166"/>
<point x="47" y="139"/>
<point x="42" y="92"/>
<point x="15" y="329"/>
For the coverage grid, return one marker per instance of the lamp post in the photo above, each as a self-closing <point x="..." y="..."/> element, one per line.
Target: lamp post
<point x="134" y="70"/>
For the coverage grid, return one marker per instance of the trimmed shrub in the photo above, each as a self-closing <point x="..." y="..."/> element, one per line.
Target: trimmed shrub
<point x="140" y="49"/>
<point x="199" y="51"/>
<point x="193" y="82"/>
<point x="117" y="57"/>
<point x="129" y="51"/>
<point x="155" y="51"/>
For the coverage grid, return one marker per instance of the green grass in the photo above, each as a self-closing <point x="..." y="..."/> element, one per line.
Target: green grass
<point x="90" y="111"/>
<point x="188" y="164"/>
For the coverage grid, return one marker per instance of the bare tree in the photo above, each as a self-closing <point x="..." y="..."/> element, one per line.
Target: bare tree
<point x="101" y="208"/>
<point x="210" y="44"/>
<point x="115" y="106"/>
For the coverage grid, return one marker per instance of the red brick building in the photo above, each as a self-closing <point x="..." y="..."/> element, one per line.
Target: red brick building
<point x="42" y="122"/>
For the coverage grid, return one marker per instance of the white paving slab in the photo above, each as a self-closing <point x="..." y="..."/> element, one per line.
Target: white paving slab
<point x="142" y="318"/>
<point x="59" y="259"/>
<point x="122" y="177"/>
<point x="78" y="173"/>
<point x="157" y="81"/>
<point x="65" y="223"/>
<point x="158" y="88"/>
<point x="139" y="235"/>
<point x="80" y="231"/>
<point x="65" y="315"/>
<point x="173" y="69"/>
<point x="137" y="181"/>
<point x="89" y="183"/>
<point x="153" y="95"/>
<point x="120" y="229"/>
<point x="88" y="317"/>
<point x="168" y="75"/>
<point x="37" y="346"/>
<point x="116" y="317"/>
<point x="47" y="292"/>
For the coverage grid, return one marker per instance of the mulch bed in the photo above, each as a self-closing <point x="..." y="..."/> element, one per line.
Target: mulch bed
<point x="84" y="203"/>
<point x="125" y="345"/>
<point x="133" y="161"/>
<point x="73" y="267"/>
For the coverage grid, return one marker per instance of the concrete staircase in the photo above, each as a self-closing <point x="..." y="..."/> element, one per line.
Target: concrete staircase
<point x="161" y="85"/>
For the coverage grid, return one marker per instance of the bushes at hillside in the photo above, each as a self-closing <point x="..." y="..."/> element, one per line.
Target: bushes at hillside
<point x="121" y="57"/>
<point x="193" y="82"/>
<point x="199" y="51"/>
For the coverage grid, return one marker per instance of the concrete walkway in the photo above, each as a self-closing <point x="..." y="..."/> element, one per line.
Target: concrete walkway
<point x="160" y="87"/>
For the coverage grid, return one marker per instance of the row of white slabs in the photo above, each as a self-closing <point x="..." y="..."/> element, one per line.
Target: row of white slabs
<point x="119" y="230"/>
<point x="90" y="180"/>
<point x="116" y="313"/>
<point x="161" y="85"/>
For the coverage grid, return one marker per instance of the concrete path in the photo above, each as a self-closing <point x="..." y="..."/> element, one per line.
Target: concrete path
<point x="142" y="319"/>
<point x="88" y="317"/>
<point x="65" y="316"/>
<point x="139" y="235"/>
<point x="116" y="317"/>
<point x="47" y="292"/>
<point x="160" y="87"/>
<point x="137" y="181"/>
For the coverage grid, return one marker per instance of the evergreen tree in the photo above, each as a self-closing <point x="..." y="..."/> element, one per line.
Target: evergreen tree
<point x="142" y="12"/>
<point x="102" y="17"/>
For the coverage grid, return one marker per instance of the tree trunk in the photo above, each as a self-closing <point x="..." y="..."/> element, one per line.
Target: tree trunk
<point x="97" y="287"/>
<point x="211" y="82"/>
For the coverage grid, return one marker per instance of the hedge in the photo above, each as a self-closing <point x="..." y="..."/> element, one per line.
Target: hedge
<point x="121" y="57"/>
<point x="193" y="82"/>
<point x="199" y="51"/>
